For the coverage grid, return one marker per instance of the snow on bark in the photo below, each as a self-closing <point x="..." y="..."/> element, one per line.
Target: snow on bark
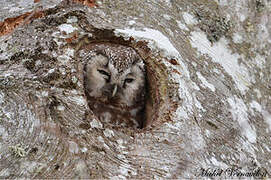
<point x="210" y="91"/>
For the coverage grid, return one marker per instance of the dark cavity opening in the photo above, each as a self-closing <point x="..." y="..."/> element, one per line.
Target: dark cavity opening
<point x="157" y="104"/>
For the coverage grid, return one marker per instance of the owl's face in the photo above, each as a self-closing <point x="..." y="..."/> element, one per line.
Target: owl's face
<point x="114" y="85"/>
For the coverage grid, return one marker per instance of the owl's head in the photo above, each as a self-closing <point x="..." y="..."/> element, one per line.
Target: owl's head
<point x="115" y="75"/>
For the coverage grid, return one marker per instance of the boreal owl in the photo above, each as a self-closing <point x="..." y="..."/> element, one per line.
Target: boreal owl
<point x="115" y="84"/>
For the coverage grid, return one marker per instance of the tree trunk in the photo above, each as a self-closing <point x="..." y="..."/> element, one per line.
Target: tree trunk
<point x="208" y="111"/>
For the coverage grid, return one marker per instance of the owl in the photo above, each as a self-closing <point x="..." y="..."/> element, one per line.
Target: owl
<point x="115" y="84"/>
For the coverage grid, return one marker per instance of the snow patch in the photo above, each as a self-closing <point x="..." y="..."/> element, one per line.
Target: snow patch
<point x="69" y="52"/>
<point x="44" y="93"/>
<point x="267" y="118"/>
<point x="200" y="142"/>
<point x="207" y="133"/>
<point x="25" y="3"/>
<point x="80" y="167"/>
<point x="72" y="19"/>
<point x="96" y="124"/>
<point x="7" y="75"/>
<point x="237" y="38"/>
<point x="2" y="96"/>
<point x="124" y="170"/>
<point x="74" y="79"/>
<point x="183" y="92"/>
<point x="132" y="22"/>
<point x="67" y="28"/>
<point x="205" y="82"/>
<point x="217" y="71"/>
<point x="4" y="133"/>
<point x="120" y="141"/>
<point x="155" y="37"/>
<point x="222" y="55"/>
<point x="73" y="147"/>
<point x="256" y="106"/>
<point x="79" y="100"/>
<point x="51" y="71"/>
<point x="182" y="113"/>
<point x="267" y="148"/>
<point x="217" y="163"/>
<point x="168" y="3"/>
<point x="108" y="133"/>
<point x="258" y="93"/>
<point x="60" y="107"/>
<point x="263" y="32"/>
<point x="167" y="17"/>
<point x="242" y="17"/>
<point x="65" y="58"/>
<point x="84" y="149"/>
<point x="239" y="113"/>
<point x="4" y="54"/>
<point x="14" y="9"/>
<point x="198" y="105"/>
<point x="260" y="61"/>
<point x="182" y="26"/>
<point x="100" y="138"/>
<point x="189" y="19"/>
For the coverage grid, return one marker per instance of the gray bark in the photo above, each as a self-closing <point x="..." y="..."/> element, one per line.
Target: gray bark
<point x="209" y="72"/>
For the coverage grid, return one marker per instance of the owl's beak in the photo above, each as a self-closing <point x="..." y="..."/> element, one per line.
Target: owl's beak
<point x="115" y="90"/>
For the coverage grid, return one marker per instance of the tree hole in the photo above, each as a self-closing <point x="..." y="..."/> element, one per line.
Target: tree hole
<point x="135" y="94"/>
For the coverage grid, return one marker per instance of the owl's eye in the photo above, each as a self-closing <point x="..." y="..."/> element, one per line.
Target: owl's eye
<point x="104" y="73"/>
<point x="128" y="80"/>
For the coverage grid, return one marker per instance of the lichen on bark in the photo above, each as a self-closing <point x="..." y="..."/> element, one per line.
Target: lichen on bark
<point x="210" y="101"/>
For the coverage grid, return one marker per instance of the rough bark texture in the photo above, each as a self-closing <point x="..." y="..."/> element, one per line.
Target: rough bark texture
<point x="209" y="105"/>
